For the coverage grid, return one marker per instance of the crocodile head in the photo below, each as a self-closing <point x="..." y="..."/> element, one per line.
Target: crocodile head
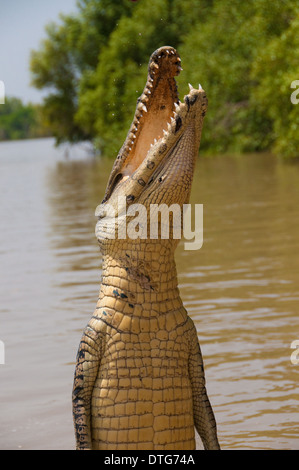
<point x="156" y="162"/>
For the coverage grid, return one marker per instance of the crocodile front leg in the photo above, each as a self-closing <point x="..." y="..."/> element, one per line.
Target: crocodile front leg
<point x="87" y="365"/>
<point x="203" y="415"/>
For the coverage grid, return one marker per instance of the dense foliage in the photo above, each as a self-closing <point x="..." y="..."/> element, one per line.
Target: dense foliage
<point x="20" y="121"/>
<point x="245" y="55"/>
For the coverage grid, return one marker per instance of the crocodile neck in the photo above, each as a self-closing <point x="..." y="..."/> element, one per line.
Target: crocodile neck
<point x="139" y="282"/>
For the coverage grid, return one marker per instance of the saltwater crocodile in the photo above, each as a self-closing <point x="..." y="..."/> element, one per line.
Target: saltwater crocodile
<point x="139" y="378"/>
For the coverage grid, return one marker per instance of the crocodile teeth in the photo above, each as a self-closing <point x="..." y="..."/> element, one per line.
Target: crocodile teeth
<point x="199" y="86"/>
<point x="144" y="108"/>
<point x="169" y="126"/>
<point x="164" y="132"/>
<point x="156" y="65"/>
<point x="177" y="107"/>
<point x="172" y="119"/>
<point x="190" y="86"/>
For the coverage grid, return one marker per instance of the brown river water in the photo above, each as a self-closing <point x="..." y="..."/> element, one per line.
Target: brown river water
<point x="241" y="289"/>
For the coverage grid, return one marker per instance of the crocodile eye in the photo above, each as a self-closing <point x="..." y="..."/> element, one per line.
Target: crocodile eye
<point x="130" y="198"/>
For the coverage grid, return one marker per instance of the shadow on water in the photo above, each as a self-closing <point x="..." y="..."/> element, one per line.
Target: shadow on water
<point x="241" y="290"/>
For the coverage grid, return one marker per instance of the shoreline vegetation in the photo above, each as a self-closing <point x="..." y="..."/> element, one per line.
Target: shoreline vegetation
<point x="22" y="121"/>
<point x="93" y="64"/>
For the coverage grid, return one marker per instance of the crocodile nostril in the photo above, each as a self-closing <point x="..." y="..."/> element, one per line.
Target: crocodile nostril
<point x="150" y="165"/>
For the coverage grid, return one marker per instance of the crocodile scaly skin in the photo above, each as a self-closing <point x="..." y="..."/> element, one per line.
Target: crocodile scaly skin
<point x="139" y="379"/>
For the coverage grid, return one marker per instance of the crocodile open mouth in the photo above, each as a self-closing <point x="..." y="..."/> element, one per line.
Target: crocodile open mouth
<point x="158" y="122"/>
<point x="155" y="108"/>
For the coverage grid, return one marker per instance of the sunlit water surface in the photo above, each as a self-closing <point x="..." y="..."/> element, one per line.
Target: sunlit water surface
<point x="241" y="289"/>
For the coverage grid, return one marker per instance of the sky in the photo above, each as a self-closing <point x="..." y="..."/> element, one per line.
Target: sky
<point x="22" y="27"/>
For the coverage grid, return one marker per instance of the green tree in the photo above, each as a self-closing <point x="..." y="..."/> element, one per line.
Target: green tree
<point x="15" y="119"/>
<point x="225" y="49"/>
<point x="108" y="95"/>
<point x="53" y="67"/>
<point x="70" y="49"/>
<point x="19" y="121"/>
<point x="94" y="65"/>
<point x="272" y="94"/>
